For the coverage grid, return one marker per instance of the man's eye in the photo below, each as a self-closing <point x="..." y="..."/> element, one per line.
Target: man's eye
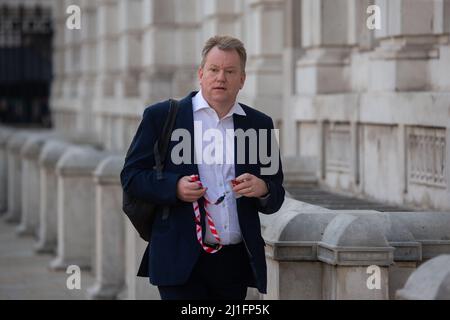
<point x="230" y="71"/>
<point x="213" y="70"/>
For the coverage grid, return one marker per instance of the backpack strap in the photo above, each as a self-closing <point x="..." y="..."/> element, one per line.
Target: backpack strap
<point x="161" y="145"/>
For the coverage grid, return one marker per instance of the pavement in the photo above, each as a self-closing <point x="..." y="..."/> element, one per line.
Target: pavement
<point x="25" y="275"/>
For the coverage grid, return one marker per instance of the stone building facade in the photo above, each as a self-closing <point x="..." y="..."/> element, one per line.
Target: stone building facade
<point x="361" y="111"/>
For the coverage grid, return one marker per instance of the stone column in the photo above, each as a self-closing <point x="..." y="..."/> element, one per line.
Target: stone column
<point x="326" y="30"/>
<point x="158" y="50"/>
<point x="56" y="92"/>
<point x="5" y="133"/>
<point x="187" y="54"/>
<point x="136" y="288"/>
<point x="408" y="40"/>
<point x="110" y="111"/>
<point x="291" y="237"/>
<point x="107" y="58"/>
<point x="431" y="281"/>
<point x="221" y="17"/>
<point x="15" y="143"/>
<point x="264" y="42"/>
<point x="86" y="51"/>
<point x="30" y="184"/>
<point x="109" y="240"/>
<point x="130" y="48"/>
<point x="49" y="156"/>
<point x="66" y="109"/>
<point x="76" y="208"/>
<point x="291" y="52"/>
<point x="354" y="249"/>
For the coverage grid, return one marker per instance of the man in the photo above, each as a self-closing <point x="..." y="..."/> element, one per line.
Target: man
<point x="209" y="246"/>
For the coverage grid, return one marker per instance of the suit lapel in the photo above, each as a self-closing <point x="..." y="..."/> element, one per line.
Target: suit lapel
<point x="185" y="119"/>
<point x="240" y="122"/>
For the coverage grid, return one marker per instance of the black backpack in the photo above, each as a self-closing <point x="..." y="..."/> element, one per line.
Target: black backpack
<point x="142" y="213"/>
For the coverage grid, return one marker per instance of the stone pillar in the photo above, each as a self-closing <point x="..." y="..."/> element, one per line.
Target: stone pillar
<point x="107" y="47"/>
<point x="264" y="42"/>
<point x="407" y="253"/>
<point x="5" y="133"/>
<point x="76" y="208"/>
<point x="30" y="184"/>
<point x="49" y="156"/>
<point x="158" y="50"/>
<point x="107" y="71"/>
<point x="130" y="48"/>
<point x="352" y="249"/>
<point x="408" y="41"/>
<point x="110" y="240"/>
<point x="325" y="37"/>
<point x="187" y="54"/>
<point x="431" y="281"/>
<point x="291" y="237"/>
<point x="136" y="288"/>
<point x="430" y="229"/>
<point x="56" y="92"/>
<point x="65" y="109"/>
<point x="221" y="17"/>
<point x="291" y="53"/>
<point x="86" y="46"/>
<point x="15" y="143"/>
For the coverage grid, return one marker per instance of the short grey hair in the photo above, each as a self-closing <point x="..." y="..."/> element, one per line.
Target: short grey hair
<point x="225" y="43"/>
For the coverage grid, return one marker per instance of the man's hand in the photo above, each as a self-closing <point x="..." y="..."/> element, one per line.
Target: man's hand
<point x="250" y="186"/>
<point x="189" y="191"/>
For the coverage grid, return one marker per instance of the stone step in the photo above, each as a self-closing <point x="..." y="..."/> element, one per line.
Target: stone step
<point x="314" y="195"/>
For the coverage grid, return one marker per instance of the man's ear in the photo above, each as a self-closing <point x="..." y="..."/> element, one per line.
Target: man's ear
<point x="200" y="74"/>
<point x="243" y="77"/>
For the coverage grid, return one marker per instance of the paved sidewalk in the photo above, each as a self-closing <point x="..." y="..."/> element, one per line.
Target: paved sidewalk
<point x="25" y="274"/>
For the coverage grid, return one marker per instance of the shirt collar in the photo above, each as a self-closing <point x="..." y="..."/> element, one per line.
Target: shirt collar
<point x="199" y="103"/>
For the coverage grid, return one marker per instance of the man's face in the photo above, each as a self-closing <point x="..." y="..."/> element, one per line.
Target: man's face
<point x="221" y="77"/>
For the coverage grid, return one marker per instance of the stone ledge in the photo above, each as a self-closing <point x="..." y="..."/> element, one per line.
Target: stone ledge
<point x="292" y="250"/>
<point x="33" y="146"/>
<point x="431" y="281"/>
<point x="355" y="256"/>
<point x="407" y="251"/>
<point x="78" y="161"/>
<point x="52" y="152"/>
<point x="108" y="171"/>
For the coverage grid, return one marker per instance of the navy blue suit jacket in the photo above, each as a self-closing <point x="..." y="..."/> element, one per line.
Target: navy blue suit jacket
<point x="173" y="248"/>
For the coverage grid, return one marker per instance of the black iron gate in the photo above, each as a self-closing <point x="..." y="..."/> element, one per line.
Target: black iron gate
<point x="25" y="65"/>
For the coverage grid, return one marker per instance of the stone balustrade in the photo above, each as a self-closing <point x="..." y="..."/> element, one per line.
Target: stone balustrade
<point x="5" y="133"/>
<point x="48" y="191"/>
<point x="312" y="252"/>
<point x="29" y="222"/>
<point x="316" y="253"/>
<point x="431" y="281"/>
<point x="76" y="207"/>
<point x="109" y="230"/>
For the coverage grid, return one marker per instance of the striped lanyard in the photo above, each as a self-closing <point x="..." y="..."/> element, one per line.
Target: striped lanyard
<point x="211" y="225"/>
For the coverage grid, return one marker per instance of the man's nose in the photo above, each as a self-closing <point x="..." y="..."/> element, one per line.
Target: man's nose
<point x="221" y="75"/>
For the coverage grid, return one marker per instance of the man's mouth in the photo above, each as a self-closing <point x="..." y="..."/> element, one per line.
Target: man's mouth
<point x="220" y="88"/>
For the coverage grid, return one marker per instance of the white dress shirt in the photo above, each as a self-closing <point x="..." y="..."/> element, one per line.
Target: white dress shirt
<point x="215" y="161"/>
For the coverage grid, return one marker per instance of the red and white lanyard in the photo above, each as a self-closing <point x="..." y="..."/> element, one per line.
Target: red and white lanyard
<point x="211" y="225"/>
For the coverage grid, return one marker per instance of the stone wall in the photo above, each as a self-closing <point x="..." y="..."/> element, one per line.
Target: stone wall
<point x="354" y="105"/>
